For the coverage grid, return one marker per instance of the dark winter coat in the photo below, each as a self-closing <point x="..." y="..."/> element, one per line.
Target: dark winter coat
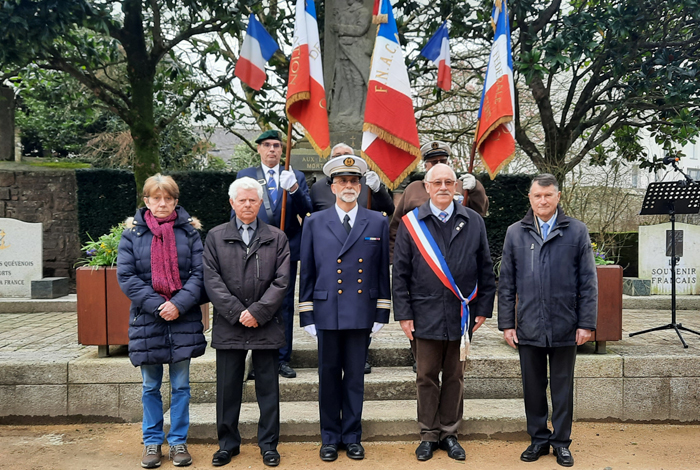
<point x="153" y="340"/>
<point x="419" y="295"/>
<point x="254" y="278"/>
<point x="554" y="281"/>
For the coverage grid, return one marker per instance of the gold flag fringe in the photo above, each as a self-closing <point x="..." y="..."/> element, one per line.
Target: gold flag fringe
<point x="301" y="96"/>
<point x="389" y="183"/>
<point x="393" y="140"/>
<point x="379" y="19"/>
<point x="493" y="172"/>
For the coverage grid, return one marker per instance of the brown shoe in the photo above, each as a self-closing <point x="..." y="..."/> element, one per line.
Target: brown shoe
<point x="180" y="456"/>
<point x="151" y="456"/>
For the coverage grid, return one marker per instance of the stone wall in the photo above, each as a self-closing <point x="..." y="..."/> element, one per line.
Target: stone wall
<point x="47" y="196"/>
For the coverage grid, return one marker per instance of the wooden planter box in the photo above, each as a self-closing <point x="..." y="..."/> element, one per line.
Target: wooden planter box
<point x="609" y="326"/>
<point x="103" y="309"/>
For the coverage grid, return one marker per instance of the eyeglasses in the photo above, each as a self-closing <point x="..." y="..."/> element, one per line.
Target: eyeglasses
<point x="439" y="183"/>
<point x="343" y="182"/>
<point x="274" y="145"/>
<point x="435" y="161"/>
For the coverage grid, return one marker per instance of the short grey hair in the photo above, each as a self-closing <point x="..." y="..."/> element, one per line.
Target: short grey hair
<point x="340" y="146"/>
<point x="429" y="174"/>
<point x="544" y="180"/>
<point x="244" y="183"/>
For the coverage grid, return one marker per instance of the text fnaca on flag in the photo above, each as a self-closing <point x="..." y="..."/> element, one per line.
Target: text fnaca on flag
<point x="257" y="48"/>
<point x="390" y="137"/>
<point x="306" y="95"/>
<point x="495" y="132"/>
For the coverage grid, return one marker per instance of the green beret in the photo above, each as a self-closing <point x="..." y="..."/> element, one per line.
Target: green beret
<point x="271" y="134"/>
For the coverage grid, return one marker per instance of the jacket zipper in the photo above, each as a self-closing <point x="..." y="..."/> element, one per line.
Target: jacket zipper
<point x="532" y="257"/>
<point x="257" y="266"/>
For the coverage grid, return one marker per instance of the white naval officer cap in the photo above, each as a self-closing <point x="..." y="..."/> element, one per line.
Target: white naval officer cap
<point x="345" y="165"/>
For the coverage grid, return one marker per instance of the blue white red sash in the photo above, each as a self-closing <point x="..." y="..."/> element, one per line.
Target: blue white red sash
<point x="425" y="242"/>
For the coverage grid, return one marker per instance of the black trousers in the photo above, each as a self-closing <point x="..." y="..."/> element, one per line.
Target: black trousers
<point x="533" y="365"/>
<point x="230" y="366"/>
<point x="288" y="314"/>
<point x="341" y="373"/>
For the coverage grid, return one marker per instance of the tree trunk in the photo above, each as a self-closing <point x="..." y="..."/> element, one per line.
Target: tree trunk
<point x="141" y="71"/>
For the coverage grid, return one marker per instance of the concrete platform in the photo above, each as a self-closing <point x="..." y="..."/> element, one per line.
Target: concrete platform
<point x="67" y="303"/>
<point x="381" y="421"/>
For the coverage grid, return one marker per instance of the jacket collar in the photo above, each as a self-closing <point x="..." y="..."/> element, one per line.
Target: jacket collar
<point x="563" y="220"/>
<point x="425" y="212"/>
<point x="231" y="232"/>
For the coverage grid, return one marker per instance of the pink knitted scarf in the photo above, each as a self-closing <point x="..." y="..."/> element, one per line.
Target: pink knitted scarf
<point x="165" y="275"/>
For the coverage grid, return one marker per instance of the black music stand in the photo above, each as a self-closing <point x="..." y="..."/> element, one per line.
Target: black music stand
<point x="671" y="197"/>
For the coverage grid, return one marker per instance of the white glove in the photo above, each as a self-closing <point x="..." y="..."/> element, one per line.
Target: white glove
<point x="311" y="330"/>
<point x="372" y="180"/>
<point x="468" y="181"/>
<point x="287" y="179"/>
<point x="376" y="327"/>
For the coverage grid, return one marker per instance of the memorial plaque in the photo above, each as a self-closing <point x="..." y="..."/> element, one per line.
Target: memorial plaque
<point x="20" y="257"/>
<point x="307" y="160"/>
<point x="655" y="259"/>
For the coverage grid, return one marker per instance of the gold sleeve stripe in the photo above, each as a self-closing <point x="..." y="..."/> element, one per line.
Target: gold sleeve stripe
<point x="384" y="303"/>
<point x="306" y="306"/>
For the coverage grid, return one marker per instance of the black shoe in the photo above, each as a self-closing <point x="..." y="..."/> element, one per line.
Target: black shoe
<point x="329" y="452"/>
<point x="251" y="375"/>
<point x="454" y="450"/>
<point x="564" y="457"/>
<point x="286" y="370"/>
<point x="415" y="366"/>
<point x="368" y="368"/>
<point x="271" y="458"/>
<point x="356" y="451"/>
<point x="425" y="450"/>
<point x="534" y="452"/>
<point x="222" y="457"/>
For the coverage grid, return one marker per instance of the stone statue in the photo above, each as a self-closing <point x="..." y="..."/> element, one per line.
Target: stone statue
<point x="349" y="28"/>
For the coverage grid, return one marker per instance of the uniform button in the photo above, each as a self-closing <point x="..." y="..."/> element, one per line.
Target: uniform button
<point x="359" y="291"/>
<point x="360" y="260"/>
<point x="339" y="260"/>
<point x="340" y="271"/>
<point x="359" y="271"/>
<point x="340" y="291"/>
<point x="359" y="281"/>
<point x="340" y="281"/>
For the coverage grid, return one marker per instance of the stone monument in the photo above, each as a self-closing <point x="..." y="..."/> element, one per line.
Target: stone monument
<point x="7" y="124"/>
<point x="20" y="257"/>
<point x="655" y="258"/>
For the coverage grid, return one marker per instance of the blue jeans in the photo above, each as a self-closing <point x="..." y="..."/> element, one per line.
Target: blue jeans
<point x="153" y="403"/>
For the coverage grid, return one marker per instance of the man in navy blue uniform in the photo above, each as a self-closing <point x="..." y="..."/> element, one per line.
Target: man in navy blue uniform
<point x="274" y="179"/>
<point x="344" y="295"/>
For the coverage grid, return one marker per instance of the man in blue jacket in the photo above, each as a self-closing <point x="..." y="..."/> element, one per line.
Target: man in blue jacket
<point x="275" y="179"/>
<point x="548" y="266"/>
<point x="344" y="294"/>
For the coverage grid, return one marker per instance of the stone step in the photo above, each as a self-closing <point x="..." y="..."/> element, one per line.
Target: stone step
<point x="384" y="383"/>
<point x="381" y="421"/>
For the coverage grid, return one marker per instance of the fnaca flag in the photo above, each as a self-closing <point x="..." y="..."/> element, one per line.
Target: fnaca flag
<point x="257" y="48"/>
<point x="495" y="130"/>
<point x="390" y="137"/>
<point x="438" y="52"/>
<point x="306" y="96"/>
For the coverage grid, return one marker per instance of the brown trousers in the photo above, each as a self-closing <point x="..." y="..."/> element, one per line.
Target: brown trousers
<point x="440" y="408"/>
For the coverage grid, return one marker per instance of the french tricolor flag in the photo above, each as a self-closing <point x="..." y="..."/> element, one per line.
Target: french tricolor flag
<point x="306" y="95"/>
<point x="258" y="46"/>
<point x="495" y="130"/>
<point x="437" y="50"/>
<point x="390" y="137"/>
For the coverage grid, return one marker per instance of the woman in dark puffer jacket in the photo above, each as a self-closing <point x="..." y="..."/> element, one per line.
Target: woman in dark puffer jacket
<point x="159" y="268"/>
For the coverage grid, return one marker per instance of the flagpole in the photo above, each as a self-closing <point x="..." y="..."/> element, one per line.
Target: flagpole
<point x="288" y="157"/>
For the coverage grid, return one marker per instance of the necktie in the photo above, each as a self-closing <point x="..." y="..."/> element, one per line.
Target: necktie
<point x="346" y="223"/>
<point x="443" y="217"/>
<point x="272" y="186"/>
<point x="245" y="234"/>
<point x="545" y="230"/>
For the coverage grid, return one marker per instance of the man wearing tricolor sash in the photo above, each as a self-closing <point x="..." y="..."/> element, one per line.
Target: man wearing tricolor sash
<point x="444" y="289"/>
